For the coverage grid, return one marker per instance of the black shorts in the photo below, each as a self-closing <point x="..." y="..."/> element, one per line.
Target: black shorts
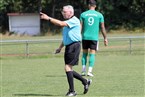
<point x="90" y="44"/>
<point x="72" y="52"/>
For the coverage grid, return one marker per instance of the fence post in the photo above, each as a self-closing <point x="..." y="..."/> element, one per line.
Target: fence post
<point x="130" y="46"/>
<point x="27" y="49"/>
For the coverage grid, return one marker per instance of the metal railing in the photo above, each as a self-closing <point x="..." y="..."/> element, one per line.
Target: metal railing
<point x="8" y="47"/>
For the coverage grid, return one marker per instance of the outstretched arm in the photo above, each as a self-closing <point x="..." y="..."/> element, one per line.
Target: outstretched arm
<point x="52" y="20"/>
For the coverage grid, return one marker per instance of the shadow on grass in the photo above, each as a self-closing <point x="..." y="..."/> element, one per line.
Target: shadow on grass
<point x="55" y="75"/>
<point x="36" y="95"/>
<point x="39" y="95"/>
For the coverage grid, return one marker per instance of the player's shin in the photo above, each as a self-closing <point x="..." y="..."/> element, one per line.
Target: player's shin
<point x="84" y="61"/>
<point x="91" y="62"/>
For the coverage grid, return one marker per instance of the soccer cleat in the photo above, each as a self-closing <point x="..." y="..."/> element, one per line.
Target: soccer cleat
<point x="83" y="73"/>
<point x="86" y="87"/>
<point x="71" y="93"/>
<point x="90" y="74"/>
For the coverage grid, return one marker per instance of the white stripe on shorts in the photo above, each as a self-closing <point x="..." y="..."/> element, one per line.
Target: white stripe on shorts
<point x="97" y="47"/>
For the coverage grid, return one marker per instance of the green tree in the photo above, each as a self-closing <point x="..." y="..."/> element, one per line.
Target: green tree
<point x="118" y="13"/>
<point x="126" y="13"/>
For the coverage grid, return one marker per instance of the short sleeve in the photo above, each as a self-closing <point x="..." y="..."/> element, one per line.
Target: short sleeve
<point x="72" y="22"/>
<point x="101" y="18"/>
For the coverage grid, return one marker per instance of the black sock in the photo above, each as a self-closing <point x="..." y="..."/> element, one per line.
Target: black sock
<point x="70" y="80"/>
<point x="79" y="77"/>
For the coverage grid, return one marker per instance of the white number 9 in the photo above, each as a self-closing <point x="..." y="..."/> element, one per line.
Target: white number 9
<point x="90" y="21"/>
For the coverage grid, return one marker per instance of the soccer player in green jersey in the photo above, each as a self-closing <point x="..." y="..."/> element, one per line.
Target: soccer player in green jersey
<point x="91" y="20"/>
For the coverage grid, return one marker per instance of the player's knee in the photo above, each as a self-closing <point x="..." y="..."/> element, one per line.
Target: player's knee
<point x="68" y="68"/>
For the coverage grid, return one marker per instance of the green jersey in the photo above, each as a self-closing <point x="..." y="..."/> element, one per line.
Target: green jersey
<point x="91" y="20"/>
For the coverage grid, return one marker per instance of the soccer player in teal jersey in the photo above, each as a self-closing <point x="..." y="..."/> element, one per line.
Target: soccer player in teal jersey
<point x="91" y="20"/>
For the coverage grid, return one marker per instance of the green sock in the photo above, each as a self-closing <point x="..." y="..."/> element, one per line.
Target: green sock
<point x="84" y="58"/>
<point x="91" y="60"/>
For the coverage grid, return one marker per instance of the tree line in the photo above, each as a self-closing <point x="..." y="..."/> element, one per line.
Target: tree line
<point x="128" y="14"/>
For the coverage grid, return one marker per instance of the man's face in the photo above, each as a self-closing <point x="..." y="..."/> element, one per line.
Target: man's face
<point x="66" y="13"/>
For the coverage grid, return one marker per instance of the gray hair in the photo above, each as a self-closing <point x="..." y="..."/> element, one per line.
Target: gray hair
<point x="70" y="8"/>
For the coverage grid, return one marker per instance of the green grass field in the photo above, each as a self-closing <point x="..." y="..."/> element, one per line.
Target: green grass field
<point x="116" y="74"/>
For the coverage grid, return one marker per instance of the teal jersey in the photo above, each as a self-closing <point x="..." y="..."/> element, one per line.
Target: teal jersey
<point x="91" y="20"/>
